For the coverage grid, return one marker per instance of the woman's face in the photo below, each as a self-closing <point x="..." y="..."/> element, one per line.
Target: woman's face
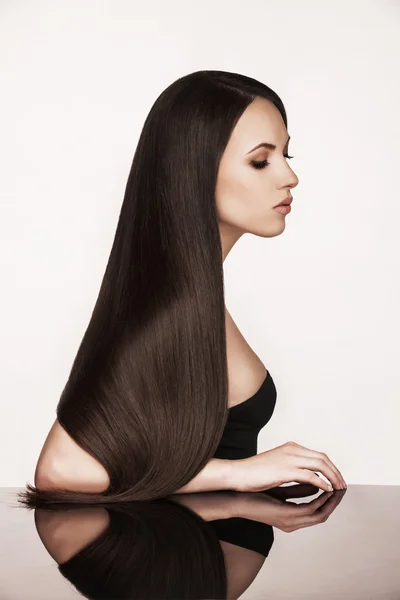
<point x="246" y="195"/>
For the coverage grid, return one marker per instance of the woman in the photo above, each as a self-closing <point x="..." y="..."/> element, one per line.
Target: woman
<point x="146" y="404"/>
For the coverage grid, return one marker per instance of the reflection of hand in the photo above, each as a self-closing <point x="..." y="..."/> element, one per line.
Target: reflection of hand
<point x="284" y="464"/>
<point x="287" y="516"/>
<point x="268" y="507"/>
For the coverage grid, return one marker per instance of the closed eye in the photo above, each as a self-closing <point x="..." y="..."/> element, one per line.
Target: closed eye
<point x="260" y="164"/>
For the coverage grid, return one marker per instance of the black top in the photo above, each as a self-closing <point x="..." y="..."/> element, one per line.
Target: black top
<point x="245" y="421"/>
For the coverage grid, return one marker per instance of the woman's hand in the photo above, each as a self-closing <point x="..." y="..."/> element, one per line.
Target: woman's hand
<point x="284" y="464"/>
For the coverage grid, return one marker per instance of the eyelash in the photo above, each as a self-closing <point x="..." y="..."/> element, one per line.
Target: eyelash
<point x="263" y="163"/>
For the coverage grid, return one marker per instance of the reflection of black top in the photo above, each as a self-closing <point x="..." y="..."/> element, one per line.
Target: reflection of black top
<point x="246" y="533"/>
<point x="245" y="420"/>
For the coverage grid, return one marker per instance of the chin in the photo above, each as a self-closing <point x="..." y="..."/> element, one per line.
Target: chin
<point x="272" y="229"/>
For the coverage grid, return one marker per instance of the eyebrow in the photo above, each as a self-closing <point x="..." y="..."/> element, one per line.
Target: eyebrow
<point x="265" y="145"/>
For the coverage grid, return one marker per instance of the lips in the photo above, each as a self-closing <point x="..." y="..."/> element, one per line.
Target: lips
<point x="286" y="202"/>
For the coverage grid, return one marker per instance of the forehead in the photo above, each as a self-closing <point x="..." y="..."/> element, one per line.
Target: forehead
<point x="260" y="122"/>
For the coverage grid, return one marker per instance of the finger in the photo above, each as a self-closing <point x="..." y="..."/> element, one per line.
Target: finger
<point x="310" y="459"/>
<point x="333" y="468"/>
<point x="306" y="476"/>
<point x="325" y="457"/>
<point x="319" y="464"/>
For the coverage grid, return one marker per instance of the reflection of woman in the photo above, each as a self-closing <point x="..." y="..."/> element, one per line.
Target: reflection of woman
<point x="138" y="550"/>
<point x="146" y="403"/>
<point x="194" y="548"/>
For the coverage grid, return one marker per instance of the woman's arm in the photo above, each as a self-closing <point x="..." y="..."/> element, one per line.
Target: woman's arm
<point x="63" y="463"/>
<point x="218" y="474"/>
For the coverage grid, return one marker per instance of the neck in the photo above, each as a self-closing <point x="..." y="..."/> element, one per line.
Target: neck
<point x="229" y="236"/>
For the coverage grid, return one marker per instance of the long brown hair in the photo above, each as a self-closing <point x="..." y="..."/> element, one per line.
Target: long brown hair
<point x="147" y="392"/>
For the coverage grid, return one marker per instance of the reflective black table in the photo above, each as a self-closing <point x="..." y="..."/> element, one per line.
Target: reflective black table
<point x="292" y="542"/>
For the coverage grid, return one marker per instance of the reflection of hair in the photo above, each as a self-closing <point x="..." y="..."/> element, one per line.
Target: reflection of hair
<point x="147" y="392"/>
<point x="156" y="549"/>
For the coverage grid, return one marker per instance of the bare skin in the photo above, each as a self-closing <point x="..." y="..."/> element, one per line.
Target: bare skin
<point x="245" y="197"/>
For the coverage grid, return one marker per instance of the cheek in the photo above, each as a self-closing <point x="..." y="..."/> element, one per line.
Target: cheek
<point x="241" y="198"/>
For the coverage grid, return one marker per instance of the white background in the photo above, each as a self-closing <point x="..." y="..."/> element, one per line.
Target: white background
<point x="318" y="304"/>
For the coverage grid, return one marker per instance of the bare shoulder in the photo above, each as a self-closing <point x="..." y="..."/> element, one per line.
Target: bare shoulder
<point x="63" y="463"/>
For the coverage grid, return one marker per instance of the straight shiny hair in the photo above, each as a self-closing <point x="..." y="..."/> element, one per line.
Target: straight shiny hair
<point x="147" y="394"/>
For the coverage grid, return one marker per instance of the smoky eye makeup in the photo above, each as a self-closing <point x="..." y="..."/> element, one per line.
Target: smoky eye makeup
<point x="261" y="164"/>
